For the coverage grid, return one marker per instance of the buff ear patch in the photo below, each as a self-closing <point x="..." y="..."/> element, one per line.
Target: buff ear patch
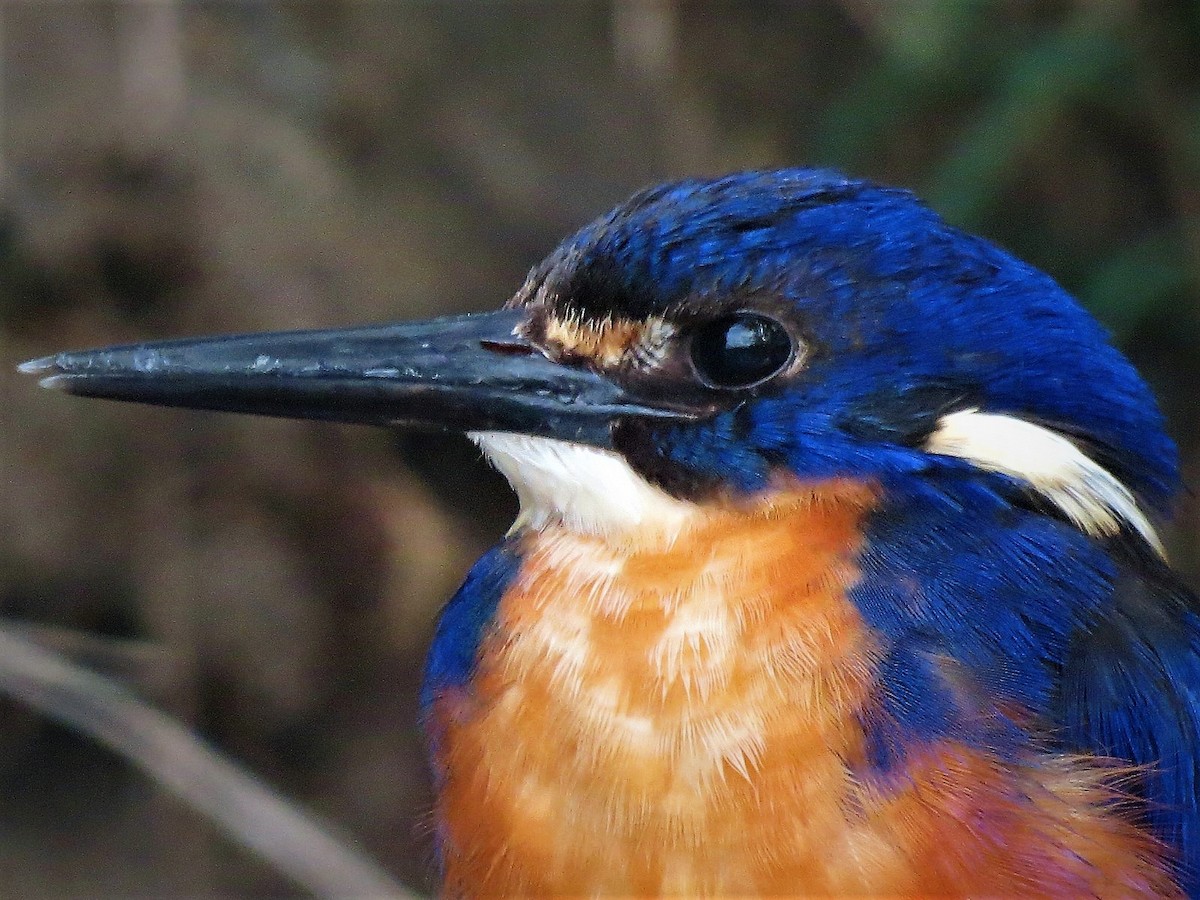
<point x="1051" y="464"/>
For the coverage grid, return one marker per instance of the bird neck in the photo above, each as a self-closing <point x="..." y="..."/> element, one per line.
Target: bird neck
<point x="736" y="555"/>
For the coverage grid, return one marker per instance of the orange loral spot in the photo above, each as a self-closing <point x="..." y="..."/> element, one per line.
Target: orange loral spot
<point x="604" y="342"/>
<point x="681" y="719"/>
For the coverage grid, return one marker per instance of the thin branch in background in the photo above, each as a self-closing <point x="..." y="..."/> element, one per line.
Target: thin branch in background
<point x="148" y="667"/>
<point x="299" y="846"/>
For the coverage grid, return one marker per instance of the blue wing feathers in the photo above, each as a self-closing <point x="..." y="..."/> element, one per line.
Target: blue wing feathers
<point x="1131" y="690"/>
<point x="1003" y="596"/>
<point x="1098" y="640"/>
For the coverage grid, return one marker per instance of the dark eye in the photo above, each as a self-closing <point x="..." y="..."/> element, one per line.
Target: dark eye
<point x="740" y="350"/>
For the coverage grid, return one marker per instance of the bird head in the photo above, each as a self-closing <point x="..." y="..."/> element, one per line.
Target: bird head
<point x="716" y="339"/>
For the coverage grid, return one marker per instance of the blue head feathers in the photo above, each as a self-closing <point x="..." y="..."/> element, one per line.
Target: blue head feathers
<point x="898" y="318"/>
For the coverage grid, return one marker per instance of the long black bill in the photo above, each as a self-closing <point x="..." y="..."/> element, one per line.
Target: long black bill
<point x="466" y="373"/>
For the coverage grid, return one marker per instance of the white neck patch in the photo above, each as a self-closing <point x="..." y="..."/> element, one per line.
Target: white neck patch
<point x="1086" y="493"/>
<point x="583" y="488"/>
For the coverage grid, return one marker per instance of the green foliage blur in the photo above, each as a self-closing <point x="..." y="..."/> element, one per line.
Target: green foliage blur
<point x="1076" y="141"/>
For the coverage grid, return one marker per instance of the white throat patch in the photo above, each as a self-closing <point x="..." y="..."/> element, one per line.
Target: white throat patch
<point x="1087" y="493"/>
<point x="586" y="489"/>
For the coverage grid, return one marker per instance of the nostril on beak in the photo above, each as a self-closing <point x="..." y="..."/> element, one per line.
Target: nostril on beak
<point x="504" y="348"/>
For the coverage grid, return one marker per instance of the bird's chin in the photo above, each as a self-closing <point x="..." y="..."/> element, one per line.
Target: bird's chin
<point x="581" y="488"/>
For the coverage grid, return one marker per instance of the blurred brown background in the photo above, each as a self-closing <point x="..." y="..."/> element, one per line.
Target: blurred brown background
<point x="171" y="168"/>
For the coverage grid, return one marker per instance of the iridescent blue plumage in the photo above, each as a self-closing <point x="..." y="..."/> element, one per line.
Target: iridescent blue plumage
<point x="1130" y="689"/>
<point x="464" y="620"/>
<point x="1094" y="642"/>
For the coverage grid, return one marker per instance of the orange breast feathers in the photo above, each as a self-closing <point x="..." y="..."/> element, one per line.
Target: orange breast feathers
<point x="684" y="717"/>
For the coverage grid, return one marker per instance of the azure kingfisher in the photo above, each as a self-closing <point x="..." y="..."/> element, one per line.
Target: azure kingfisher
<point x="835" y="573"/>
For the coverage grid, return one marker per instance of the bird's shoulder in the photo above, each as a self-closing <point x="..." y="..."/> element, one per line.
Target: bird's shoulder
<point x="1130" y="689"/>
<point x="1001" y="626"/>
<point x="465" y="618"/>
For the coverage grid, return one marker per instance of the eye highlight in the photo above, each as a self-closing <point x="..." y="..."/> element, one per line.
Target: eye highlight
<point x="740" y="350"/>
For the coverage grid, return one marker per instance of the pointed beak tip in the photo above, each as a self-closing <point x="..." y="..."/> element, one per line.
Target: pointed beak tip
<point x="38" y="366"/>
<point x="54" y="376"/>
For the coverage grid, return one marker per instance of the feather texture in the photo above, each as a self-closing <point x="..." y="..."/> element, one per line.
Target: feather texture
<point x="691" y="717"/>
